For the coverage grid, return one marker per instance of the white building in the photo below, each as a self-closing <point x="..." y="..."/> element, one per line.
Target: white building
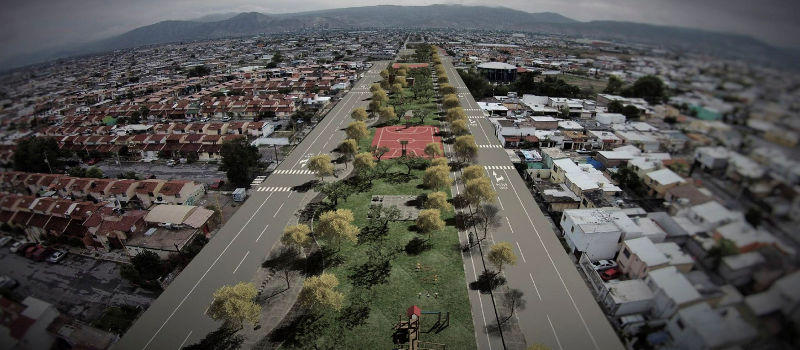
<point x="627" y="297"/>
<point x="672" y="291"/>
<point x="610" y="118"/>
<point x="699" y="327"/>
<point x="597" y="231"/>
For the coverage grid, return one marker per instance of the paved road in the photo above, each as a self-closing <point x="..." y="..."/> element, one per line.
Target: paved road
<point x="561" y="312"/>
<point x="177" y="317"/>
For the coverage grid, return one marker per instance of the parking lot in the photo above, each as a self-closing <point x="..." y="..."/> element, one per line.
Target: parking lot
<point x="78" y="286"/>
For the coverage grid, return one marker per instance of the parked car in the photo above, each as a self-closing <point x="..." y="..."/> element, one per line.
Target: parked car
<point x="171" y="162"/>
<point x="41" y="255"/>
<point x="15" y="246"/>
<point x="601" y="265"/>
<point x="23" y="247"/>
<point x="217" y="184"/>
<point x="57" y="256"/>
<point x="7" y="282"/>
<point x="225" y="119"/>
<point x="32" y="249"/>
<point x="609" y="274"/>
<point x="4" y="241"/>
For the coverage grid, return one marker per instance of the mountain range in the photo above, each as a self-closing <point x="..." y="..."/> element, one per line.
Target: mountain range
<point x="433" y="17"/>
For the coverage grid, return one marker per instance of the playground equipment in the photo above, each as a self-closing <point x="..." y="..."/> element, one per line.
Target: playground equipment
<point x="410" y="329"/>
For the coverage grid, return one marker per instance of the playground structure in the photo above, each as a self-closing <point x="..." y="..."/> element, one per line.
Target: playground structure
<point x="407" y="331"/>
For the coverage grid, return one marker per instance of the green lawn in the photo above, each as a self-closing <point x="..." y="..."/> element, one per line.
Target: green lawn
<point x="440" y="271"/>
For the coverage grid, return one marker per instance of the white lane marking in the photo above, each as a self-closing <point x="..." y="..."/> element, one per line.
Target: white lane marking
<point x="520" y="253"/>
<point x="534" y="286"/>
<point x="554" y="332"/>
<point x="343" y="103"/>
<point x="262" y="232"/>
<point x="279" y="209"/>
<point x="509" y="226"/>
<point x="205" y="273"/>
<point x="184" y="340"/>
<point x="575" y="305"/>
<point x="240" y="263"/>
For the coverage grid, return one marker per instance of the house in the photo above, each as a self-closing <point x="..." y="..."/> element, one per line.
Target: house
<point x="98" y="188"/>
<point x="676" y="256"/>
<point x="747" y="238"/>
<point x="781" y="297"/>
<point x="738" y="269"/>
<point x="613" y="159"/>
<point x="629" y="297"/>
<point x="672" y="291"/>
<point x="685" y="195"/>
<point x="544" y="122"/>
<point x="180" y="192"/>
<point x="638" y="256"/>
<point x="660" y="181"/>
<point x="699" y="327"/>
<point x="147" y="191"/>
<point x="602" y="139"/>
<point x="560" y="169"/>
<point x="610" y="118"/>
<point x="123" y="190"/>
<point x="597" y="231"/>
<point x="711" y="158"/>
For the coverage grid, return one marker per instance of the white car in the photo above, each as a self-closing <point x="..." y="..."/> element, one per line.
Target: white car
<point x="15" y="246"/>
<point x="57" y="256"/>
<point x="601" y="265"/>
<point x="4" y="241"/>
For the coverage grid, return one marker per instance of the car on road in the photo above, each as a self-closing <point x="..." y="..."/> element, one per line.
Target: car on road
<point x="225" y="119"/>
<point x="42" y="254"/>
<point x="7" y="282"/>
<point x="609" y="274"/>
<point x="15" y="246"/>
<point x="601" y="265"/>
<point x="57" y="256"/>
<point x="4" y="241"/>
<point x="33" y="251"/>
<point x="171" y="162"/>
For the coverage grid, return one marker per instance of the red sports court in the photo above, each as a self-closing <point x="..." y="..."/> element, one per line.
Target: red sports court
<point x="417" y="136"/>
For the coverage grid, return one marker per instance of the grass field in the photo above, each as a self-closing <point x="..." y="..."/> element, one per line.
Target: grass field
<point x="412" y="279"/>
<point x="582" y="82"/>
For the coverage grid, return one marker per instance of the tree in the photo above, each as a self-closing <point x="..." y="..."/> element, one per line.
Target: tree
<point x="421" y="114"/>
<point x="34" y="153"/>
<point x="94" y="172"/>
<point x="385" y="74"/>
<point x="465" y="147"/>
<point x="335" y="190"/>
<point x="378" y="152"/>
<point x="455" y="113"/>
<point x="148" y="264"/>
<point x="614" y="86"/>
<point x="513" y="300"/>
<point x="433" y="150"/>
<point x="478" y="191"/>
<point x="320" y="165"/>
<point x="375" y="107"/>
<point x="648" y="87"/>
<point x="238" y="158"/>
<point x="429" y="220"/>
<point x="486" y="217"/>
<point x="441" y="161"/>
<point x="356" y="130"/>
<point x="348" y="148"/>
<point x="437" y="177"/>
<point x="459" y="127"/>
<point x="76" y="171"/>
<point x="501" y="254"/>
<point x="375" y="87"/>
<point x="446" y="89"/>
<point x="437" y="200"/>
<point x="450" y="101"/>
<point x="387" y="114"/>
<point x="337" y="225"/>
<point x="296" y="236"/>
<point x="472" y="172"/>
<point x="359" y="114"/>
<point x="363" y="163"/>
<point x="722" y="248"/>
<point x="234" y="305"/>
<point x="443" y="79"/>
<point x="380" y="95"/>
<point x="319" y="293"/>
<point x="397" y="88"/>
<point x="615" y="107"/>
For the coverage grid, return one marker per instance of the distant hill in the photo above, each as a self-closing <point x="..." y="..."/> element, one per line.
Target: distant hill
<point x="439" y="16"/>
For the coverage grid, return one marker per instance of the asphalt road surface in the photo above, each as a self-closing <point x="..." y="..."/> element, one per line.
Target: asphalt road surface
<point x="560" y="311"/>
<point x="178" y="317"/>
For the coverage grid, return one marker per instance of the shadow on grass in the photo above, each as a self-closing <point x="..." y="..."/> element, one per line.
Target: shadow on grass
<point x="459" y="202"/>
<point x="314" y="209"/>
<point x="487" y="282"/>
<point x="358" y="184"/>
<point x="398" y="178"/>
<point x="321" y="259"/>
<point x="371" y="273"/>
<point x="302" y="331"/>
<point x="460" y="221"/>
<point x="417" y="245"/>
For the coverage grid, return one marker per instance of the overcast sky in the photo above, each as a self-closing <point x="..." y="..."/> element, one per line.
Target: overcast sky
<point x="31" y="25"/>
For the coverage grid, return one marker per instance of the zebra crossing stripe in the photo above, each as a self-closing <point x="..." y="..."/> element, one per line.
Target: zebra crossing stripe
<point x="499" y="167"/>
<point x="274" y="189"/>
<point x="490" y="146"/>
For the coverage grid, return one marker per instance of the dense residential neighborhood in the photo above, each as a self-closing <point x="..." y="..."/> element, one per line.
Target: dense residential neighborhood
<point x="306" y="188"/>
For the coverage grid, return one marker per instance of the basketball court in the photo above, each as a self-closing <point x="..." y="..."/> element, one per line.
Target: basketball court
<point x="417" y="136"/>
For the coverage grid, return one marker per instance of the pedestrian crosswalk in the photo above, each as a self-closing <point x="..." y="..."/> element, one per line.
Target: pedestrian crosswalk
<point x="490" y="146"/>
<point x="293" y="172"/>
<point x="258" y="180"/>
<point x="498" y="167"/>
<point x="472" y="109"/>
<point x="273" y="189"/>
